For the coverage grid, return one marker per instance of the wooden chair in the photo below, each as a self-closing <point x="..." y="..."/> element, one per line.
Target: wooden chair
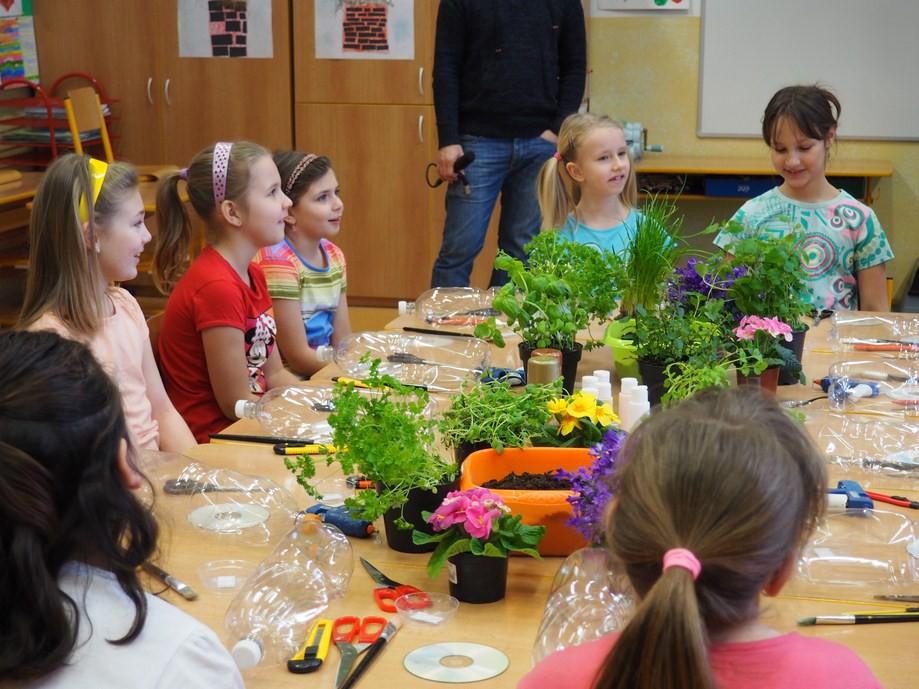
<point x="155" y="325"/>
<point x="84" y="114"/>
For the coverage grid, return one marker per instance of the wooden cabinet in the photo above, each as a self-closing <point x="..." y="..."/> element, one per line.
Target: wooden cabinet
<point x="375" y="120"/>
<point x="170" y="107"/>
<point x="392" y="220"/>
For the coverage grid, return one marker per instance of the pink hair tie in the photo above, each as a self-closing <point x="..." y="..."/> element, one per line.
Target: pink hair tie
<point x="220" y="166"/>
<point x="183" y="173"/>
<point x="301" y="166"/>
<point x="557" y="156"/>
<point x="681" y="557"/>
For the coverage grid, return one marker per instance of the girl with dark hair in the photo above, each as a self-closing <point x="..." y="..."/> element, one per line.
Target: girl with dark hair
<point x="842" y="245"/>
<point x="72" y="535"/>
<point x="306" y="272"/>
<point x="715" y="499"/>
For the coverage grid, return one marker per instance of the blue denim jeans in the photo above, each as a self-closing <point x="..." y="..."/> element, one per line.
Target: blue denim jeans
<point x="506" y="166"/>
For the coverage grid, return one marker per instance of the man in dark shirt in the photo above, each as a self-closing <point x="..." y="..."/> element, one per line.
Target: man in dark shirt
<point x="506" y="73"/>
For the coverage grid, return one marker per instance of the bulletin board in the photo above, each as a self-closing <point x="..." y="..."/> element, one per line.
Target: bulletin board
<point x="865" y="51"/>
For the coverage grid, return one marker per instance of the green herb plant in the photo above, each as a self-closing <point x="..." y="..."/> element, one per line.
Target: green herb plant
<point x="558" y="292"/>
<point x="383" y="434"/>
<point x="496" y="414"/>
<point x="774" y="282"/>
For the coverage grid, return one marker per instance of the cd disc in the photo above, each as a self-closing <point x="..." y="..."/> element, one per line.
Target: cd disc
<point x="228" y="516"/>
<point x="456" y="662"/>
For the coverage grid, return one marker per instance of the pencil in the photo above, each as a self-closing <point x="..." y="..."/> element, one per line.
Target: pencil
<point x="432" y="331"/>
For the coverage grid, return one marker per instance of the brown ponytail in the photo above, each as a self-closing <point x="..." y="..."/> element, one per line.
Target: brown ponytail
<point x="731" y="477"/>
<point x="174" y="235"/>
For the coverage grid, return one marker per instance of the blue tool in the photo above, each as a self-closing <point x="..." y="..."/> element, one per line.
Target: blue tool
<point x="856" y="498"/>
<point x="840" y="386"/>
<point x="340" y="517"/>
<point x="514" y="376"/>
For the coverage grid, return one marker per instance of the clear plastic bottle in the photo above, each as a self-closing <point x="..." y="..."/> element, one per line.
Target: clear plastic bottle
<point x="270" y="616"/>
<point x="292" y="412"/>
<point x="440" y="363"/>
<point x="451" y="306"/>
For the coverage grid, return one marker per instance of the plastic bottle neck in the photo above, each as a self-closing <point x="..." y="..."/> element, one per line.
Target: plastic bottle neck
<point x="246" y="409"/>
<point x="325" y="353"/>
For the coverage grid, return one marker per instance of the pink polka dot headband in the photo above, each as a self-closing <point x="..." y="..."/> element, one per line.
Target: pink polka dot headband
<point x="219" y="166"/>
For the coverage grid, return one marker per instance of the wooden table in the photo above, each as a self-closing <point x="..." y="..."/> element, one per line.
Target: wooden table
<point x="510" y="624"/>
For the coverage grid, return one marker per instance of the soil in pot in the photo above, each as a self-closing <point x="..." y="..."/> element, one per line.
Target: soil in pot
<point x="529" y="481"/>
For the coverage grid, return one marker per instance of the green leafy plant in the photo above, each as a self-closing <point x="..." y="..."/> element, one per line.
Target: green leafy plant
<point x="654" y="252"/>
<point x="577" y="421"/>
<point x="774" y="282"/>
<point x="383" y="436"/>
<point x="496" y="414"/>
<point x="558" y="292"/>
<point x="476" y="521"/>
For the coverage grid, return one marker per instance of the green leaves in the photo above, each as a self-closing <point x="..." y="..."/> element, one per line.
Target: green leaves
<point x="562" y="288"/>
<point x="494" y="413"/>
<point x="508" y="534"/>
<point x="384" y="435"/>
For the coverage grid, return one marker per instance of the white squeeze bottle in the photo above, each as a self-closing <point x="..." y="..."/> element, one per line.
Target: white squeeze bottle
<point x="638" y="406"/>
<point x="626" y="387"/>
<point x="450" y="306"/>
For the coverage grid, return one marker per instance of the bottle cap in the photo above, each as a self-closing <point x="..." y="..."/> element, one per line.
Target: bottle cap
<point x="546" y="351"/>
<point x="626" y="385"/>
<point x="247" y="653"/>
<point x="325" y="353"/>
<point x="240" y="408"/>
<point x="403" y="307"/>
<point x="589" y="382"/>
<point x="640" y="394"/>
<point x="602" y="375"/>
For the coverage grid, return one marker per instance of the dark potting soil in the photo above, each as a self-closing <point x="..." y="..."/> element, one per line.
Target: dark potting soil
<point x="527" y="481"/>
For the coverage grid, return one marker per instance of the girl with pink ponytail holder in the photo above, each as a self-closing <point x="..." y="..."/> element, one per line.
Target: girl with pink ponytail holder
<point x="217" y="344"/>
<point x="714" y="499"/>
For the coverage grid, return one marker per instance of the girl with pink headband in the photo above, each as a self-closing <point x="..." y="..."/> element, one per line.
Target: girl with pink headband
<point x="714" y="499"/>
<point x="217" y="341"/>
<point x="306" y="272"/>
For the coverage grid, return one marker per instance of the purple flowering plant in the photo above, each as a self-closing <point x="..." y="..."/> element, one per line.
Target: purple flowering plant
<point x="476" y="521"/>
<point x="593" y="486"/>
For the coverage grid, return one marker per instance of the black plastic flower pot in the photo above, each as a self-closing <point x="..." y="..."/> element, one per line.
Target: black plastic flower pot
<point x="477" y="578"/>
<point x="419" y="501"/>
<point x="797" y="346"/>
<point x="653" y="375"/>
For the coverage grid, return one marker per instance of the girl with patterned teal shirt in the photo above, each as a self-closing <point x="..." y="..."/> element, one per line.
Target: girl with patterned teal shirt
<point x="306" y="272"/>
<point x="843" y="247"/>
<point x="587" y="190"/>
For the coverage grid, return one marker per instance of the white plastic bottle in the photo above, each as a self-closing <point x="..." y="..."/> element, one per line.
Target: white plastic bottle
<point x="450" y="306"/>
<point x="292" y="412"/>
<point x="269" y="618"/>
<point x="626" y="387"/>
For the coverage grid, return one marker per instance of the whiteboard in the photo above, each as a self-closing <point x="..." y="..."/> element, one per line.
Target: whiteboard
<point x="864" y="51"/>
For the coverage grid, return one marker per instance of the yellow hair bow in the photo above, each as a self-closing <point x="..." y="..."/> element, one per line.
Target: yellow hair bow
<point x="97" y="170"/>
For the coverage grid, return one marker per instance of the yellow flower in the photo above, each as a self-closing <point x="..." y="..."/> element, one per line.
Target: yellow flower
<point x="583" y="405"/>
<point x="557" y="406"/>
<point x="606" y="416"/>
<point x="568" y="424"/>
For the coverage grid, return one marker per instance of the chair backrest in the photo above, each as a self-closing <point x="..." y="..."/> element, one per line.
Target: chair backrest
<point x="84" y="114"/>
<point x="154" y="325"/>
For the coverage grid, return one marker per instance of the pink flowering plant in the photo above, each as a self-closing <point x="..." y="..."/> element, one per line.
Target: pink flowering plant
<point x="756" y="346"/>
<point x="476" y="521"/>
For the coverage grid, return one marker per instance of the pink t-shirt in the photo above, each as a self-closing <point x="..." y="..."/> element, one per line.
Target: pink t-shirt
<point x="782" y="662"/>
<point x="119" y="346"/>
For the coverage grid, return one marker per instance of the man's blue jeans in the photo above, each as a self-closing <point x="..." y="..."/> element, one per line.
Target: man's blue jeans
<point x="506" y="166"/>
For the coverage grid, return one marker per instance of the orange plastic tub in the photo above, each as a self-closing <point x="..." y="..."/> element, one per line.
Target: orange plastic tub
<point x="547" y="508"/>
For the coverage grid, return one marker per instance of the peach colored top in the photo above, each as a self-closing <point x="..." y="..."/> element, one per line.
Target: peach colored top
<point x="119" y="346"/>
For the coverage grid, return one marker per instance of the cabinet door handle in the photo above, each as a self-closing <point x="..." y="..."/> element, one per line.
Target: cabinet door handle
<point x="421" y="81"/>
<point x="421" y="129"/>
<point x="166" y="91"/>
<point x="149" y="93"/>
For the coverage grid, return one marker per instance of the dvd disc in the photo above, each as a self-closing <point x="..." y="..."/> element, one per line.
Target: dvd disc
<point x="456" y="662"/>
<point x="228" y="516"/>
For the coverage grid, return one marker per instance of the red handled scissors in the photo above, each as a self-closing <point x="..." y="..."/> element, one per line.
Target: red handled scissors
<point x="391" y="590"/>
<point x="353" y="636"/>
